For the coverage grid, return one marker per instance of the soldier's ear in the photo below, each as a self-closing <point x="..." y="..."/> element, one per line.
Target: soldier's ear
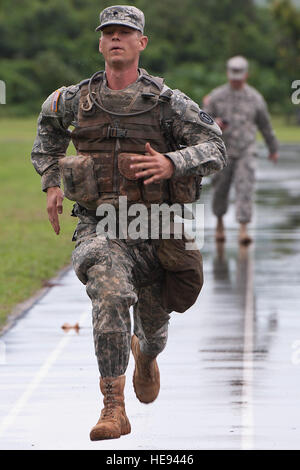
<point x="100" y="48"/>
<point x="143" y="42"/>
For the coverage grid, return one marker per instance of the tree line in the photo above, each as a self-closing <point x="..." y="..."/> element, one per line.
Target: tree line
<point x="45" y="44"/>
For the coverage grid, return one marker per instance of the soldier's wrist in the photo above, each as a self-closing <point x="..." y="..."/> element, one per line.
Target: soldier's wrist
<point x="172" y="168"/>
<point x="178" y="163"/>
<point x="51" y="189"/>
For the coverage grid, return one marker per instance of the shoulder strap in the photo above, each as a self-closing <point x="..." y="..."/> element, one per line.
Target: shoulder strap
<point x="84" y="82"/>
<point x="166" y="117"/>
<point x="97" y="77"/>
<point x="157" y="81"/>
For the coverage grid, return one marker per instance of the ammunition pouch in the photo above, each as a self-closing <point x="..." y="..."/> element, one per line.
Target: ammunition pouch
<point x="183" y="278"/>
<point x="86" y="177"/>
<point x="185" y="189"/>
<point x="79" y="178"/>
<point x="134" y="188"/>
<point x="129" y="184"/>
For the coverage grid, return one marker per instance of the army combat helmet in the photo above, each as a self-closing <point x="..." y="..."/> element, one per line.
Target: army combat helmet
<point x="124" y="15"/>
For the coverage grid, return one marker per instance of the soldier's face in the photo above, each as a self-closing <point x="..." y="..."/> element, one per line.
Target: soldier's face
<point x="121" y="45"/>
<point x="237" y="84"/>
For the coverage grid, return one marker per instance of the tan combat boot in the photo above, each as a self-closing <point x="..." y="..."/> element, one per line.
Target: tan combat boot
<point x="220" y="231"/>
<point x="244" y="238"/>
<point x="113" y="422"/>
<point x="146" y="379"/>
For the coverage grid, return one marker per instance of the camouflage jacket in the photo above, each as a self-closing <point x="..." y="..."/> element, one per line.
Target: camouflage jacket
<point x="245" y="110"/>
<point x="201" y="150"/>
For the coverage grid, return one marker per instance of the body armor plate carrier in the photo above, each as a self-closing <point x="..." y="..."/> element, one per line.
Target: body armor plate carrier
<point x="104" y="139"/>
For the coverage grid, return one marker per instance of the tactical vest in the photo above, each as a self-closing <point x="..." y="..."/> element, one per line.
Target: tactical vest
<point x="99" y="173"/>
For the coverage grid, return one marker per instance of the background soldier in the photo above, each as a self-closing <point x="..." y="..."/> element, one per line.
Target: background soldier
<point x="123" y="109"/>
<point x="238" y="109"/>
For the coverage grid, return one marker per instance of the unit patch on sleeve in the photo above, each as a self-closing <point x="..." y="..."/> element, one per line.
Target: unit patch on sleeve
<point x="206" y="118"/>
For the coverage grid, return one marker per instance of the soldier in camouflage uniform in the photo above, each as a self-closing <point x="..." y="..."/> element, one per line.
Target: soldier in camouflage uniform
<point x="239" y="110"/>
<point x="120" y="110"/>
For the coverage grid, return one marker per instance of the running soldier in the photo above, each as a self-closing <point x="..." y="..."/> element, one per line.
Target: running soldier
<point x="134" y="137"/>
<point x="239" y="110"/>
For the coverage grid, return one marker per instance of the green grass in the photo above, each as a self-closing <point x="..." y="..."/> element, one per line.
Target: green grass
<point x="30" y="251"/>
<point x="287" y="133"/>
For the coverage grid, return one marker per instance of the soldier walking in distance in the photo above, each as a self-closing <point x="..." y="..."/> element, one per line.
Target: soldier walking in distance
<point x="135" y="138"/>
<point x="239" y="110"/>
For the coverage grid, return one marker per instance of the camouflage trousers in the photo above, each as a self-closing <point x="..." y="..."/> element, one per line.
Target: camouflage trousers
<point x="240" y="172"/>
<point x="118" y="275"/>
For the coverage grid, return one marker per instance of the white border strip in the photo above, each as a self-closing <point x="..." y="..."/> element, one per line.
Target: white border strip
<point x="248" y="363"/>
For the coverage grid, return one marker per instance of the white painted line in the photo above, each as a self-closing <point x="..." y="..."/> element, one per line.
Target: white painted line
<point x="247" y="388"/>
<point x="40" y="375"/>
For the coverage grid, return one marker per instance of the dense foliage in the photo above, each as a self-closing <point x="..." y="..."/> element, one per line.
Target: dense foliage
<point x="48" y="43"/>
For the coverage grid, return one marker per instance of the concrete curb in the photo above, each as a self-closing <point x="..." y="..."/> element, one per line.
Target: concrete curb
<point x="22" y="308"/>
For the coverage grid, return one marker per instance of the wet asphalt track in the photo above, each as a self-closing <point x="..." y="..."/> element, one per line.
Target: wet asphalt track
<point x="230" y="373"/>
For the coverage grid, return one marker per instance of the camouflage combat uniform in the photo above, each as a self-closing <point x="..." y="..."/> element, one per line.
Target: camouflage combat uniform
<point x="122" y="273"/>
<point x="245" y="110"/>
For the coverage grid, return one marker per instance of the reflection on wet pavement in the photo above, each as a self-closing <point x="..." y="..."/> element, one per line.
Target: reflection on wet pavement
<point x="230" y="373"/>
<point x="262" y="283"/>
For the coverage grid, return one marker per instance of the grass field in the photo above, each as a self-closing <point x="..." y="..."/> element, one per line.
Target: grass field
<point x="30" y="251"/>
<point x="285" y="132"/>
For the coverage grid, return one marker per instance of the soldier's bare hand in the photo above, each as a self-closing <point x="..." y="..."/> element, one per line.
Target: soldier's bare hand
<point x="222" y="125"/>
<point x="274" y="156"/>
<point x="154" y="166"/>
<point x="55" y="198"/>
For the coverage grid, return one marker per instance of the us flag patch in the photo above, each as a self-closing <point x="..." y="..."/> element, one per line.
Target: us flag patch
<point x="55" y="100"/>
